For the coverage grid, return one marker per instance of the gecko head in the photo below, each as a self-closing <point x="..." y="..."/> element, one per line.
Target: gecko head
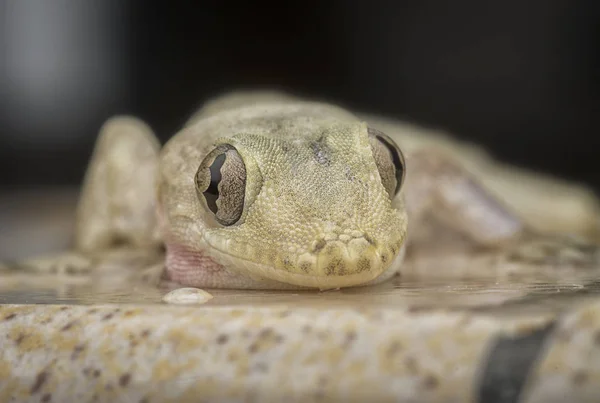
<point x="314" y="209"/>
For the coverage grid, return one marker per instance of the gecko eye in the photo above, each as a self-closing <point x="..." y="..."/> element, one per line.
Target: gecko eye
<point x="221" y="181"/>
<point x="389" y="161"/>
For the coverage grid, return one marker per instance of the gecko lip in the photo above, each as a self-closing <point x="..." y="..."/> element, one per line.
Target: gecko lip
<point x="325" y="264"/>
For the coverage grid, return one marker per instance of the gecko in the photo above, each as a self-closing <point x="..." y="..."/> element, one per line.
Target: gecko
<point x="270" y="191"/>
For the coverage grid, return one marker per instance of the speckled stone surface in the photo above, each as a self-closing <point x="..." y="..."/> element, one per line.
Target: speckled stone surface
<point x="134" y="353"/>
<point x="570" y="368"/>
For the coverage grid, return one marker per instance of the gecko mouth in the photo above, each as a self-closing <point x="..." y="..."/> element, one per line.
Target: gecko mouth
<point x="342" y="262"/>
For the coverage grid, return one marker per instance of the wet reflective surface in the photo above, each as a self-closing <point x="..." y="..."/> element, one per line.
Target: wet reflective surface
<point x="482" y="295"/>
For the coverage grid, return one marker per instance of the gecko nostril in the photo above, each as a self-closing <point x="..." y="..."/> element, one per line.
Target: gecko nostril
<point x="370" y="240"/>
<point x="318" y="246"/>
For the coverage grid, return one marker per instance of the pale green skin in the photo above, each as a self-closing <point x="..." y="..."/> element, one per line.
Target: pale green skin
<point x="316" y="213"/>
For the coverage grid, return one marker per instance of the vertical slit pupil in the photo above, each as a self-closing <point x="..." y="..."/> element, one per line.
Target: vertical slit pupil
<point x="212" y="193"/>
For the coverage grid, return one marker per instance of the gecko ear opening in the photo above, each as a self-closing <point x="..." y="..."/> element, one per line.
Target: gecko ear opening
<point x="221" y="182"/>
<point x="389" y="160"/>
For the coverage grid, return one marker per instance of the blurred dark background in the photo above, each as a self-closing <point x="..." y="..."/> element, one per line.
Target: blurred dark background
<point x="519" y="76"/>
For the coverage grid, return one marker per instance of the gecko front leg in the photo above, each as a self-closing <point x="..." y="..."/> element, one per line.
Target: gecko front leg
<point x="117" y="205"/>
<point x="115" y="219"/>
